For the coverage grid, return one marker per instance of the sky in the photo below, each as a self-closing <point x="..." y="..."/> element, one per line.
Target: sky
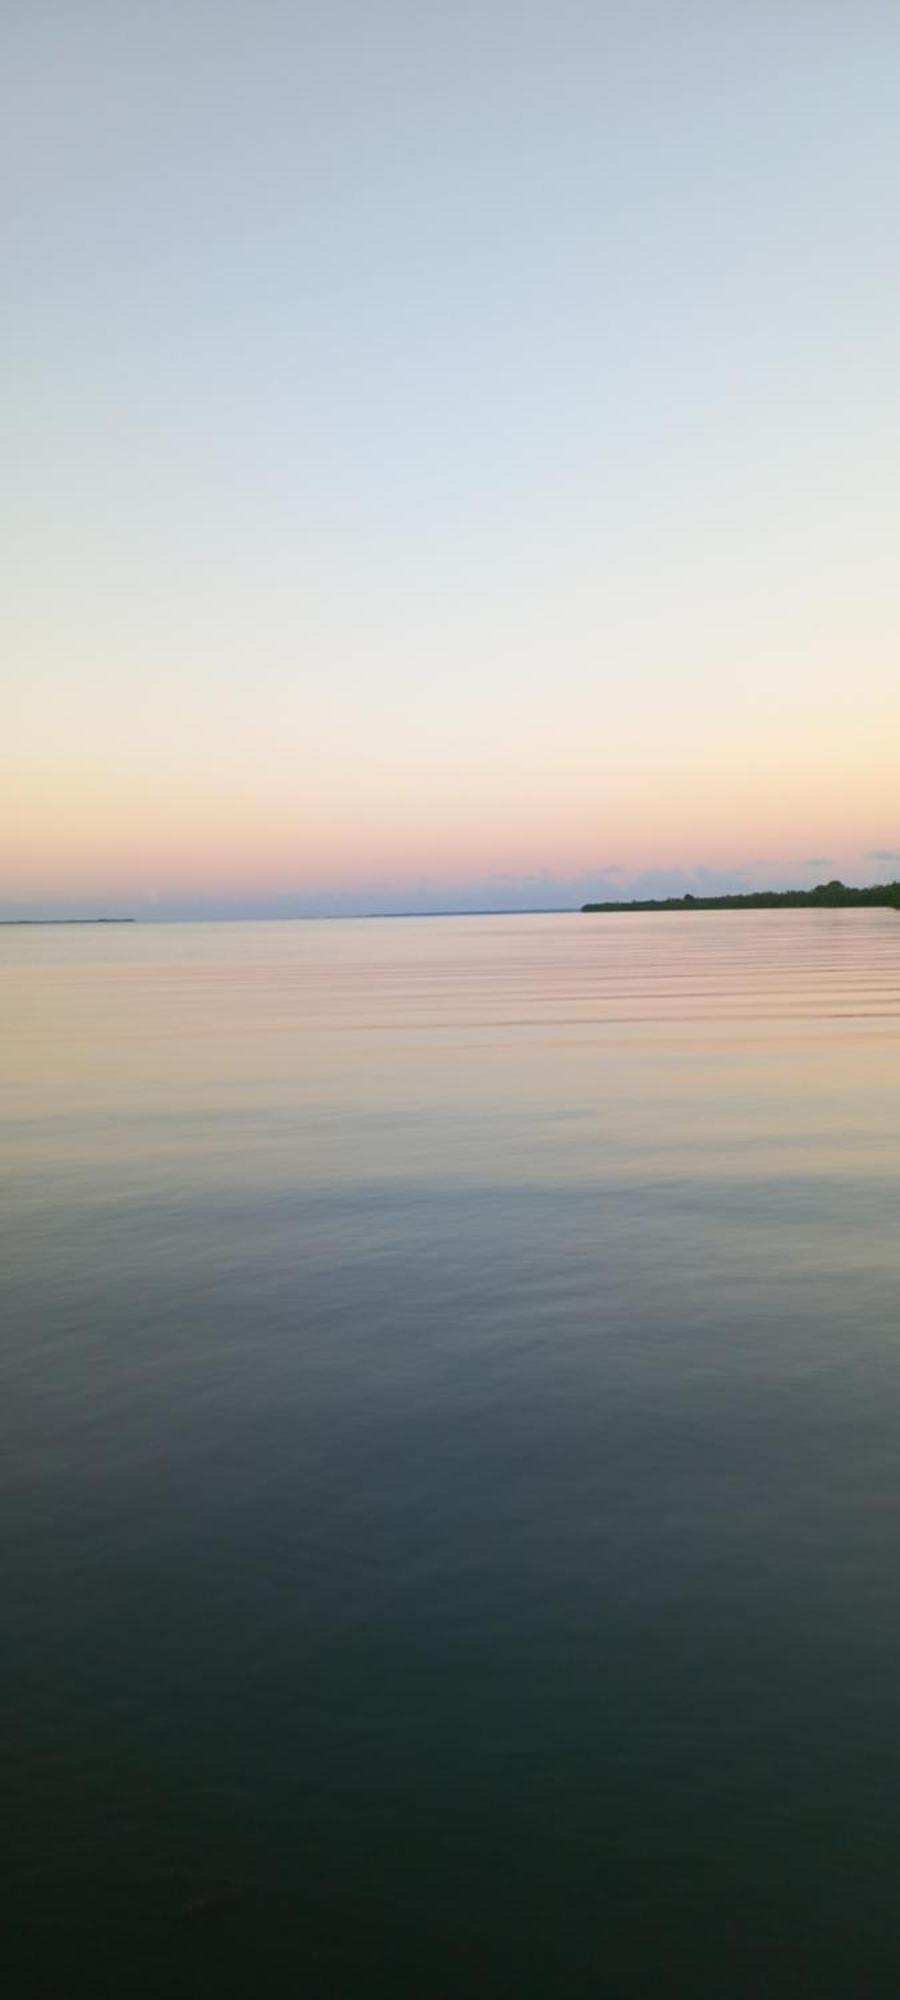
<point x="451" y="452"/>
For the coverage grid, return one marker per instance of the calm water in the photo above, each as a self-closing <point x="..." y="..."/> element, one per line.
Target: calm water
<point x="451" y="1474"/>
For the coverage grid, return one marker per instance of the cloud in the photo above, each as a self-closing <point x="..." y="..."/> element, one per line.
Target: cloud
<point x="422" y="896"/>
<point x="883" y="854"/>
<point x="819" y="861"/>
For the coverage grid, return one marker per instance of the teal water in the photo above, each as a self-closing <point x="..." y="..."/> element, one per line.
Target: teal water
<point x="451" y="1457"/>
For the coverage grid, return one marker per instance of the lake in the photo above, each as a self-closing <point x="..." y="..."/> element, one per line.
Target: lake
<point x="451" y="1456"/>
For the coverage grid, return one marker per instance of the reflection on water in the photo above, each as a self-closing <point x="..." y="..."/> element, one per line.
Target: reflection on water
<point x="452" y="1455"/>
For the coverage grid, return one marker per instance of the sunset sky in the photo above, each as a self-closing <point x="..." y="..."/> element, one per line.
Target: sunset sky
<point x="452" y="453"/>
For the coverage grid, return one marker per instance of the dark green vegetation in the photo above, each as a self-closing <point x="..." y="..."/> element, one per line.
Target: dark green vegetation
<point x="827" y="895"/>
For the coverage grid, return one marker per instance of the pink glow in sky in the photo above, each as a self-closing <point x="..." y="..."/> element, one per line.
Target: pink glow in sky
<point x="438" y="460"/>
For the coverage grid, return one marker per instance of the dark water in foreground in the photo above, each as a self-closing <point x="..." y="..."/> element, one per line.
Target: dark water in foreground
<point x="451" y="1491"/>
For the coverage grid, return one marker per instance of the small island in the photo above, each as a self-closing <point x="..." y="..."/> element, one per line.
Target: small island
<point x="827" y="896"/>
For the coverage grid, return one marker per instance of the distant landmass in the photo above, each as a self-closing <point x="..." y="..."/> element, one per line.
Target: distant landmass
<point x="20" y="922"/>
<point x="827" y="896"/>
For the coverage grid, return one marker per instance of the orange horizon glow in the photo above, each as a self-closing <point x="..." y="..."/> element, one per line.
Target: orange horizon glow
<point x="434" y="493"/>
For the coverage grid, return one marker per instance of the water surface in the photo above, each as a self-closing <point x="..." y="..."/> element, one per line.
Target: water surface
<point x="451" y="1456"/>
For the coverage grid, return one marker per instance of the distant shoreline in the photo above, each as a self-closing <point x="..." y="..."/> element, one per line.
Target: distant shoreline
<point x="293" y="917"/>
<point x="23" y="923"/>
<point x="826" y="896"/>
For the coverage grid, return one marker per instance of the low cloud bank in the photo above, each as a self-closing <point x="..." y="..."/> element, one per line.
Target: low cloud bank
<point x="608" y="882"/>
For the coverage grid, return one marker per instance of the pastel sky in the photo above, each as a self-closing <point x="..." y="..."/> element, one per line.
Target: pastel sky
<point x="453" y="450"/>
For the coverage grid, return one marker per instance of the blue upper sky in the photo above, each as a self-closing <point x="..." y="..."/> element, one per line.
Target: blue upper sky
<point x="449" y="447"/>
